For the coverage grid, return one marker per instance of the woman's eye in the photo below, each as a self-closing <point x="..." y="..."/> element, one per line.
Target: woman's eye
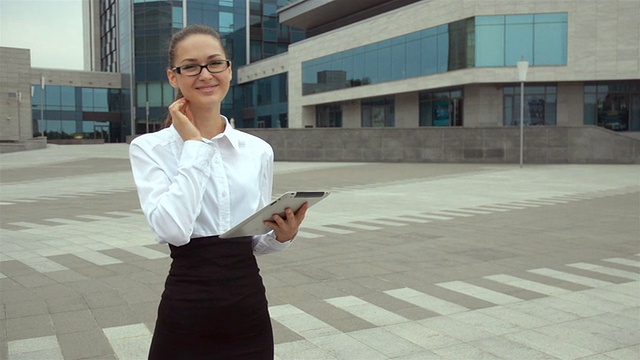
<point x="188" y="67"/>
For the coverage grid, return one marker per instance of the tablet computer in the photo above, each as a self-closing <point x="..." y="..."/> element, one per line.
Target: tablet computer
<point x="254" y="224"/>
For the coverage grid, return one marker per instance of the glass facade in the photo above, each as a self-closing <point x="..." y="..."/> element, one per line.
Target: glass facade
<point x="441" y="108"/>
<point x="475" y="42"/>
<point x="502" y="40"/>
<point x="65" y="112"/>
<point x="540" y="106"/>
<point x="153" y="24"/>
<point x="265" y="103"/>
<point x="154" y="21"/>
<point x="379" y="112"/>
<point x="613" y="105"/>
<point x="108" y="36"/>
<point x="329" y="115"/>
<point x="267" y="36"/>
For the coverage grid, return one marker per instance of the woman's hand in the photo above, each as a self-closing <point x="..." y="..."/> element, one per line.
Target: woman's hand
<point x="183" y="120"/>
<point x="287" y="228"/>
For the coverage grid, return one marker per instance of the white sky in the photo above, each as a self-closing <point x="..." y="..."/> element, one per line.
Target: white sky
<point x="52" y="29"/>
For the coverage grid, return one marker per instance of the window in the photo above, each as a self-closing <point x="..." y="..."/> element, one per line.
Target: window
<point x="329" y="115"/>
<point x="613" y="105"/>
<point x="264" y="92"/>
<point x="503" y="40"/>
<point x="438" y="49"/>
<point x="264" y="121"/>
<point x="378" y="112"/>
<point x="539" y="105"/>
<point x="441" y="108"/>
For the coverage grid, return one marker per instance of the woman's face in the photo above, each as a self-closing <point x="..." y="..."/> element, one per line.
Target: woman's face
<point x="205" y="89"/>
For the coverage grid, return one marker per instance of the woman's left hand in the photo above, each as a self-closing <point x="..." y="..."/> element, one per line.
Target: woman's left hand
<point x="287" y="228"/>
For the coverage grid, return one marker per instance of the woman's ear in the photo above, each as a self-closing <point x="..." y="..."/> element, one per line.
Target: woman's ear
<point x="171" y="75"/>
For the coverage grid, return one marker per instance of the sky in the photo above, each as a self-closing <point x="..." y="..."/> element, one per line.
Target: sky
<point x="52" y="29"/>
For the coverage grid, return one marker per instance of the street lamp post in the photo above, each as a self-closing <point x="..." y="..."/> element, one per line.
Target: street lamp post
<point x="523" y="67"/>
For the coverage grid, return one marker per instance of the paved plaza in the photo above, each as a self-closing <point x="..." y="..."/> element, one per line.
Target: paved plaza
<point x="402" y="261"/>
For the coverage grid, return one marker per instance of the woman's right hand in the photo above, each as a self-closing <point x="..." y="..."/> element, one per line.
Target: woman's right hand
<point x="183" y="121"/>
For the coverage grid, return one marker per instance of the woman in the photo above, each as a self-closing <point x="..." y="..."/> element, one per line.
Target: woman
<point x="197" y="178"/>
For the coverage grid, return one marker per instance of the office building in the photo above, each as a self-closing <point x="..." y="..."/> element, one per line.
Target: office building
<point x="426" y="65"/>
<point x="446" y="63"/>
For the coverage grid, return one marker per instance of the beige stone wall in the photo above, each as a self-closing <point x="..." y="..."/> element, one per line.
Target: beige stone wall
<point x="407" y="110"/>
<point x="483" y="105"/>
<point x="76" y="78"/>
<point x="15" y="95"/>
<point x="570" y="104"/>
<point x="602" y="45"/>
<point x="351" y="114"/>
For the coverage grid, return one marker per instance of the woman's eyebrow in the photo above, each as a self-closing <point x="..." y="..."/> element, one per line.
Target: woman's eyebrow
<point x="192" y="60"/>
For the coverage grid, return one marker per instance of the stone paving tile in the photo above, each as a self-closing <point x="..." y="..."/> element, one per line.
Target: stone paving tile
<point x="25" y="308"/>
<point x="82" y="345"/>
<point x="115" y="316"/>
<point x="464" y="351"/>
<point x="357" y="253"/>
<point x="66" y="303"/>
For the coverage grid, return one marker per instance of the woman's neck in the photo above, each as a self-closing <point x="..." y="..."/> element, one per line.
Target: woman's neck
<point x="208" y="121"/>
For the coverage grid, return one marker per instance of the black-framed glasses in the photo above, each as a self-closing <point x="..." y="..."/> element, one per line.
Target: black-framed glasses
<point x="213" y="67"/>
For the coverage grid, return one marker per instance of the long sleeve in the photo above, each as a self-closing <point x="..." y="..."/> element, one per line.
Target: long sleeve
<point x="171" y="193"/>
<point x="267" y="243"/>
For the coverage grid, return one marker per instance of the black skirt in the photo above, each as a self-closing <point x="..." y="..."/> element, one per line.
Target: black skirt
<point x="214" y="304"/>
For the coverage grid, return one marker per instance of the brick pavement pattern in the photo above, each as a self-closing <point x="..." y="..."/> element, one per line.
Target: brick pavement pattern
<point x="402" y="261"/>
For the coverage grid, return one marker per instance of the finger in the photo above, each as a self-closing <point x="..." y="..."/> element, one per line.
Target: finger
<point x="302" y="212"/>
<point x="188" y="112"/>
<point x="279" y="220"/>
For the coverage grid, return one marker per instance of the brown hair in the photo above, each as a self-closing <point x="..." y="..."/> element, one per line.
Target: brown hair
<point x="196" y="29"/>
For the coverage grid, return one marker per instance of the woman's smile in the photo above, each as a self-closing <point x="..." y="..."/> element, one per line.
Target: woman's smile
<point x="207" y="88"/>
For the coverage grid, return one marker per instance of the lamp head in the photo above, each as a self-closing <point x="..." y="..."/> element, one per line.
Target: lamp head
<point x="523" y="67"/>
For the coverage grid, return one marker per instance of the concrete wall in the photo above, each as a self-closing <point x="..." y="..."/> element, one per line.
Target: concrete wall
<point x="15" y="95"/>
<point x="93" y="79"/>
<point x="542" y="145"/>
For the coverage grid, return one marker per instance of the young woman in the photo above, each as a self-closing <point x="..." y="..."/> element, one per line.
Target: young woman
<point x="197" y="178"/>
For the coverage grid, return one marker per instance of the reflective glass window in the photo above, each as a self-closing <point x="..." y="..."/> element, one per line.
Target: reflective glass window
<point x="282" y="88"/>
<point x="168" y="94"/>
<point x="429" y="56"/>
<point x="413" y="58"/>
<point x="35" y="99"/>
<point x="540" y="106"/>
<point x="613" y="105"/>
<point x="176" y="16"/>
<point x="519" y="19"/>
<point x="141" y="95"/>
<point x="489" y="45"/>
<point x="442" y="108"/>
<point x="443" y="52"/>
<point x="67" y="98"/>
<point x="100" y="100"/>
<point x="52" y="97"/>
<point x="518" y="43"/>
<point x="490" y="20"/>
<point x="68" y="127"/>
<point x="371" y="66"/>
<point x="378" y="112"/>
<point x="384" y="64"/>
<point x="264" y="92"/>
<point x="225" y="22"/>
<point x="87" y="99"/>
<point x="550" y="44"/>
<point x="329" y="115"/>
<point x="398" y="61"/>
<point x="154" y="93"/>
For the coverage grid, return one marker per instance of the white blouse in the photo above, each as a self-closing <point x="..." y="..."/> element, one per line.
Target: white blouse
<point x="202" y="188"/>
